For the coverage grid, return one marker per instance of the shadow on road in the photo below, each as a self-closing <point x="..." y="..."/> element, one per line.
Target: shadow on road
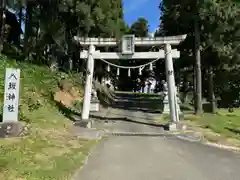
<point x="130" y="102"/>
<point x="125" y="119"/>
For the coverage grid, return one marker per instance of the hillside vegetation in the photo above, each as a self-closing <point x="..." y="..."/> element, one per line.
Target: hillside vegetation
<point x="50" y="150"/>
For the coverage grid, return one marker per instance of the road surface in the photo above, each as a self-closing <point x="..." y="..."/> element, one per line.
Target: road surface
<point x="153" y="158"/>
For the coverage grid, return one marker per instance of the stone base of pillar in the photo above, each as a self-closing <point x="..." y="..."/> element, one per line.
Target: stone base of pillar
<point x="84" y="123"/>
<point x="172" y="127"/>
<point x="94" y="106"/>
<point x="89" y="124"/>
<point x="13" y="129"/>
<point x="176" y="127"/>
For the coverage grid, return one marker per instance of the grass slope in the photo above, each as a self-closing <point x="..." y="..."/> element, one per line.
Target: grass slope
<point x="220" y="127"/>
<point x="226" y="125"/>
<point x="50" y="151"/>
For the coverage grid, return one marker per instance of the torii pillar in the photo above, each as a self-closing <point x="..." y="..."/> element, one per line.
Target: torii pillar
<point x="88" y="85"/>
<point x="172" y="99"/>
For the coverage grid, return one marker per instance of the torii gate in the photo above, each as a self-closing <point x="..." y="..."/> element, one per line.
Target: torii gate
<point x="128" y="44"/>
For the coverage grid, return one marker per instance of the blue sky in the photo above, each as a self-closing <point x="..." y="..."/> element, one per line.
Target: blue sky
<point x="133" y="9"/>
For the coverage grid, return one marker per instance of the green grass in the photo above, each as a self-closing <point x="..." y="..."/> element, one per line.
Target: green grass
<point x="224" y="123"/>
<point x="50" y="151"/>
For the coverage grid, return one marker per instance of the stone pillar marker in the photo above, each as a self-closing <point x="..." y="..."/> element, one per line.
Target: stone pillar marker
<point x="11" y="95"/>
<point x="10" y="126"/>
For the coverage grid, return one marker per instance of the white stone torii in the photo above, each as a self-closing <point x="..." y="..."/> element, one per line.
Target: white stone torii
<point x="167" y="53"/>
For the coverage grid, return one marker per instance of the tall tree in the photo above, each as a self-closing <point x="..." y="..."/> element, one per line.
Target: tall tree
<point x="2" y="23"/>
<point x="216" y="25"/>
<point x="140" y="28"/>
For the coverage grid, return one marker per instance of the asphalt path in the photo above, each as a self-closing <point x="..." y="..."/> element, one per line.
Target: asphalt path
<point x="153" y="158"/>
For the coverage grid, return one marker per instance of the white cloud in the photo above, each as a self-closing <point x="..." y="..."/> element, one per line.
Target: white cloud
<point x="132" y="5"/>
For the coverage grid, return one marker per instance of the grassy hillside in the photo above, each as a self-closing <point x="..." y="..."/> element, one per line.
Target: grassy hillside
<point x="224" y="125"/>
<point x="49" y="151"/>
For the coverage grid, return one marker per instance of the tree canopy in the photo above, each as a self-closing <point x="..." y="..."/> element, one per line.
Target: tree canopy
<point x="218" y="25"/>
<point x="51" y="25"/>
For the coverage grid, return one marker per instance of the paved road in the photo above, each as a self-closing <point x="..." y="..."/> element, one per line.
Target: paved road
<point x="155" y="158"/>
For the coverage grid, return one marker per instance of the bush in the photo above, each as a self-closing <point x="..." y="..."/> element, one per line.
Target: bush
<point x="105" y="95"/>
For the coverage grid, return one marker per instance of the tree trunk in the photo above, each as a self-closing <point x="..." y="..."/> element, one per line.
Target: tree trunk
<point x="27" y="33"/>
<point x="37" y="31"/>
<point x="198" y="109"/>
<point x="54" y="61"/>
<point x="194" y="88"/>
<point x="211" y="90"/>
<point x="185" y="88"/>
<point x="20" y="21"/>
<point x="2" y="23"/>
<point x="20" y="15"/>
